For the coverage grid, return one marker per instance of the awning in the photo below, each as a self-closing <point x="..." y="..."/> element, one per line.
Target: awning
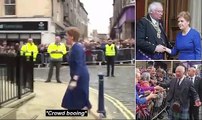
<point x="128" y="15"/>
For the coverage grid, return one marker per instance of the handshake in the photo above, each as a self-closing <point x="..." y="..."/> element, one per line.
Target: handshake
<point x="161" y="48"/>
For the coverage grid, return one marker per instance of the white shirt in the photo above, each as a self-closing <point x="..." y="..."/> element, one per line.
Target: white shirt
<point x="181" y="80"/>
<point x="154" y="21"/>
<point x="193" y="78"/>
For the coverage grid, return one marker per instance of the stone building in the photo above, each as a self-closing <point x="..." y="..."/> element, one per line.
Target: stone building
<point x="122" y="24"/>
<point x="76" y="15"/>
<point x="39" y="19"/>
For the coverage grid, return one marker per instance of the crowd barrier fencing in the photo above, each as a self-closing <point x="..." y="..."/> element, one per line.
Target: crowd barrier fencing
<point x="124" y="55"/>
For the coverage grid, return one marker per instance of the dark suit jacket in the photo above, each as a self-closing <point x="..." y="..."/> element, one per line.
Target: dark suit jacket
<point x="198" y="86"/>
<point x="187" y="92"/>
<point x="146" y="36"/>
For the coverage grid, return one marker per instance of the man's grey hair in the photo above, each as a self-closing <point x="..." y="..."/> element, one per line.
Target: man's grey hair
<point x="181" y="68"/>
<point x="153" y="6"/>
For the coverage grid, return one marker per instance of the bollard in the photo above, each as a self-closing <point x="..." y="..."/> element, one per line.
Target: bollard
<point x="101" y="108"/>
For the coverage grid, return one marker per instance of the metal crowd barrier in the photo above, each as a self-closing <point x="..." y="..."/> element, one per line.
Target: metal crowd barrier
<point x="16" y="77"/>
<point x="124" y="55"/>
<point x="42" y="59"/>
<point x="95" y="56"/>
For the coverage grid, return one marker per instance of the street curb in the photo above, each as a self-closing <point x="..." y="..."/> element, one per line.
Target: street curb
<point x="94" y="115"/>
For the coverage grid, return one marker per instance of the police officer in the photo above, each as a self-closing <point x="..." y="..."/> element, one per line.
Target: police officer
<point x="29" y="49"/>
<point x="56" y="51"/>
<point x="110" y="53"/>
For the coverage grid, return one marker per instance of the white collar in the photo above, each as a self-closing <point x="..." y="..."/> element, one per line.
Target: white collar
<point x="181" y="79"/>
<point x="193" y="78"/>
<point x="73" y="43"/>
<point x="153" y="20"/>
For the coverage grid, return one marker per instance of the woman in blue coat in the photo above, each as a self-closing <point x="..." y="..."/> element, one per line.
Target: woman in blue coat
<point x="188" y="40"/>
<point x="77" y="94"/>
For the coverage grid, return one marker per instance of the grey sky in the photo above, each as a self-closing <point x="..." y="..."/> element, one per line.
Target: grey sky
<point x="99" y="12"/>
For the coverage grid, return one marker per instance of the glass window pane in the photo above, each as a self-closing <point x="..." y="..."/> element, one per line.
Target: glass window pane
<point x="24" y="36"/>
<point x="3" y="36"/>
<point x="9" y="9"/>
<point x="6" y="1"/>
<point x="36" y="36"/>
<point x="13" y="36"/>
<point x="12" y="1"/>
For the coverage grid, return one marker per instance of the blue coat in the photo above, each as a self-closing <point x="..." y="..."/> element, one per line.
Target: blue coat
<point x="78" y="97"/>
<point x="188" y="46"/>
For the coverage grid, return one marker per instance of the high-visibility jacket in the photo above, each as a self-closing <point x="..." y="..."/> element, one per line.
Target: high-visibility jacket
<point x="110" y="50"/>
<point x="29" y="49"/>
<point x="57" y="51"/>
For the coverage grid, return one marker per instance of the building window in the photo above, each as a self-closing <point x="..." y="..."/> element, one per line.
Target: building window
<point x="9" y="7"/>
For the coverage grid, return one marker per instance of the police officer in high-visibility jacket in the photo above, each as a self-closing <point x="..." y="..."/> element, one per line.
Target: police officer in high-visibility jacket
<point x="29" y="49"/>
<point x="56" y="51"/>
<point x="110" y="53"/>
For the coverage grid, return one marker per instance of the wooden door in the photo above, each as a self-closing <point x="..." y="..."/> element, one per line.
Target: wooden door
<point x="140" y="9"/>
<point x="175" y="7"/>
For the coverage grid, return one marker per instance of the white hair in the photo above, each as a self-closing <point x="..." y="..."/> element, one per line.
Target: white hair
<point x="145" y="76"/>
<point x="181" y="68"/>
<point x="153" y="6"/>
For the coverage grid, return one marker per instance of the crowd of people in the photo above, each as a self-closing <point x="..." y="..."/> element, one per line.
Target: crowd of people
<point x="156" y="91"/>
<point x="9" y="49"/>
<point x="88" y="44"/>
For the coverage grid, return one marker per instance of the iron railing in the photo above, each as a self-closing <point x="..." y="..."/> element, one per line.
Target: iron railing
<point x="16" y="77"/>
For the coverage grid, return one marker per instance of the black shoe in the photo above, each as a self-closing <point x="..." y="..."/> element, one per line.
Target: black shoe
<point x="106" y="75"/>
<point x="58" y="81"/>
<point x="113" y="76"/>
<point x="47" y="81"/>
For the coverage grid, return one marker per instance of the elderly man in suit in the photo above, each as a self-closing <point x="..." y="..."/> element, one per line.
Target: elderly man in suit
<point x="150" y="36"/>
<point x="194" y="110"/>
<point x="180" y="93"/>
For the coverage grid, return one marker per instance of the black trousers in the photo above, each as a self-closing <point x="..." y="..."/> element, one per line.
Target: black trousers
<point x="193" y="112"/>
<point x="110" y="62"/>
<point x="57" y="64"/>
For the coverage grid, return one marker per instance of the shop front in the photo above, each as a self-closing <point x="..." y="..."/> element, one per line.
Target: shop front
<point x="16" y="30"/>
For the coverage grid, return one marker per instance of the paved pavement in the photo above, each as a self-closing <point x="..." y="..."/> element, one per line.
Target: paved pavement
<point x="120" y="87"/>
<point x="49" y="96"/>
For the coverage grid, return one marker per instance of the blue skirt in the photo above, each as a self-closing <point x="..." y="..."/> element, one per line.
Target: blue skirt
<point x="77" y="98"/>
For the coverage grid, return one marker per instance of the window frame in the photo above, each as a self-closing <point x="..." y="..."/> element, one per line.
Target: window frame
<point x="8" y="3"/>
